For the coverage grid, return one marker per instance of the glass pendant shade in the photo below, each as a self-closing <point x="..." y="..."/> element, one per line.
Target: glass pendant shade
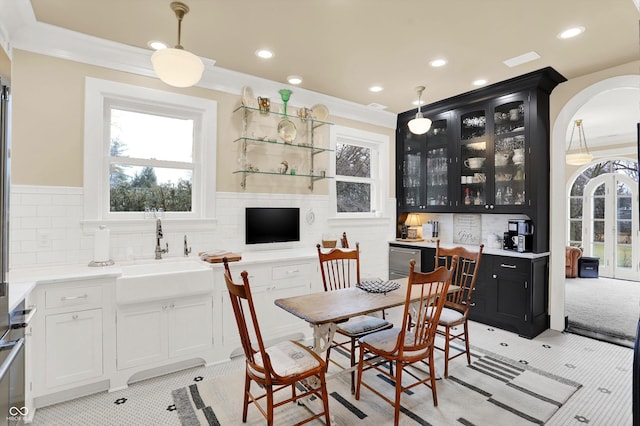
<point x="177" y="67"/>
<point x="579" y="159"/>
<point x="419" y="125"/>
<point x="583" y="156"/>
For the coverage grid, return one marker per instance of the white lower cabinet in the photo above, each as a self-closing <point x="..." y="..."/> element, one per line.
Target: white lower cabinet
<point x="269" y="283"/>
<point x="73" y="347"/>
<point x="151" y="333"/>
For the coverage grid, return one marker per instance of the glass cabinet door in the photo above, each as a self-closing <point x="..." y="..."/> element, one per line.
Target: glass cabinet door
<point x="510" y="153"/>
<point x="473" y="158"/>
<point x="413" y="175"/>
<point x="437" y="164"/>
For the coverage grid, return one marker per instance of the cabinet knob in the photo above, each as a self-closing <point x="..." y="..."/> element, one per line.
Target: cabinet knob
<point x="75" y="316"/>
<point x="491" y="207"/>
<point x="494" y="276"/>
<point x="172" y="306"/>
<point x="486" y="206"/>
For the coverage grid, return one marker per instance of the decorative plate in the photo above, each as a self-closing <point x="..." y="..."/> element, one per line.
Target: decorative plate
<point x="311" y="217"/>
<point x="320" y="112"/>
<point x="248" y="99"/>
<point x="377" y="285"/>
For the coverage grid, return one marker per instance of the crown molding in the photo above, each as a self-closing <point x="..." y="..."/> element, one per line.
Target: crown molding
<point x="20" y="30"/>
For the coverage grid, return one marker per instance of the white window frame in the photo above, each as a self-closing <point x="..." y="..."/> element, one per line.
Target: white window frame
<point x="100" y="95"/>
<point x="379" y="179"/>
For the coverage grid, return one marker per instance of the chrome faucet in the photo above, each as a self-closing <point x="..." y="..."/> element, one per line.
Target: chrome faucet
<point x="159" y="250"/>
<point x="187" y="249"/>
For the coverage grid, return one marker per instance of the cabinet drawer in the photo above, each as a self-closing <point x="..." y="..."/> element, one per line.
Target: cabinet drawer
<point x="512" y="264"/>
<point x="73" y="297"/>
<point x="287" y="272"/>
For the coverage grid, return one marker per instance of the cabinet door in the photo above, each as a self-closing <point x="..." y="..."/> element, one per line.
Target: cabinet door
<point x="438" y="161"/>
<point x="141" y="335"/>
<point x="411" y="172"/>
<point x="512" y="276"/>
<point x="190" y="326"/>
<point x="511" y="151"/>
<point x="474" y="160"/>
<point x="73" y="347"/>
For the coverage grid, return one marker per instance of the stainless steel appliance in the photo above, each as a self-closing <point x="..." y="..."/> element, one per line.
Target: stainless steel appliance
<point x="519" y="236"/>
<point x="399" y="258"/>
<point x="12" y="409"/>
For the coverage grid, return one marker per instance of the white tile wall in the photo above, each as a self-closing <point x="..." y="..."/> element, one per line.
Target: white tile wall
<point x="46" y="230"/>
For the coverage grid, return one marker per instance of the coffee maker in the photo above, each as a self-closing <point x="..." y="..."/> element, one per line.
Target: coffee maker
<point x="519" y="235"/>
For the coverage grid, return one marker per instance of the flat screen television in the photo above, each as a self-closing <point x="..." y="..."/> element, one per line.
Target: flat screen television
<point x="272" y="225"/>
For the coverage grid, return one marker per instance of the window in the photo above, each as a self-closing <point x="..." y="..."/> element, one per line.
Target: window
<point x="360" y="175"/>
<point x="145" y="151"/>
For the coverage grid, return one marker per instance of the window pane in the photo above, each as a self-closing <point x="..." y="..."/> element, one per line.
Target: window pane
<point x="575" y="231"/>
<point x="600" y="190"/>
<point x="598" y="208"/>
<point x="578" y="186"/>
<point x="353" y="197"/>
<point x="575" y="208"/>
<point x="624" y="208"/>
<point x="132" y="189"/>
<point x="352" y="160"/>
<point x="147" y="136"/>
<point x="598" y="231"/>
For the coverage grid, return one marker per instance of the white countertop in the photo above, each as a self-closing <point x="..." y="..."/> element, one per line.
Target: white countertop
<point x="486" y="250"/>
<point x="22" y="281"/>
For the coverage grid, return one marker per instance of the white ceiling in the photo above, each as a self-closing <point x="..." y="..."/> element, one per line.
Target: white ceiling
<point x="342" y="47"/>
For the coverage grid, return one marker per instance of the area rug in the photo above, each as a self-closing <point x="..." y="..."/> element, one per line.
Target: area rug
<point x="493" y="390"/>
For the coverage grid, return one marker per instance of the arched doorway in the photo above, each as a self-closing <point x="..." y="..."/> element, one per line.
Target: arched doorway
<point x="559" y="193"/>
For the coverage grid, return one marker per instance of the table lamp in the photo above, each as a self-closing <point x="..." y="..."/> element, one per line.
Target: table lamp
<point x="413" y="220"/>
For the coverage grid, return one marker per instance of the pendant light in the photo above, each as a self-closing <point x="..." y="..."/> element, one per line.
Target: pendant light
<point x="583" y="156"/>
<point x="176" y="66"/>
<point x="419" y="125"/>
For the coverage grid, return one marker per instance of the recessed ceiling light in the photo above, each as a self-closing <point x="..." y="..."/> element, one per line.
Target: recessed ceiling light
<point x="571" y="32"/>
<point x="480" y="82"/>
<point x="156" y="45"/>
<point x="438" y="63"/>
<point x="294" y="79"/>
<point x="264" y="54"/>
<point x="376" y="89"/>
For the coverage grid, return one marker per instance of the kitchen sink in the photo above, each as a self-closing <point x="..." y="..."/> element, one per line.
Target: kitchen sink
<point x="163" y="279"/>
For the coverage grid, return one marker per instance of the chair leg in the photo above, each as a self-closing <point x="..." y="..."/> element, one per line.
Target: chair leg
<point x="325" y="398"/>
<point x="432" y="373"/>
<point x="245" y="405"/>
<point x="398" y="376"/>
<point x="269" y="390"/>
<point x="353" y="362"/>
<point x="466" y="341"/>
<point x="326" y="361"/>
<point x="447" y="340"/>
<point x="360" y="364"/>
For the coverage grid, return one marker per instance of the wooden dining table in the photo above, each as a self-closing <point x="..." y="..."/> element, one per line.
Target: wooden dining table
<point x="324" y="310"/>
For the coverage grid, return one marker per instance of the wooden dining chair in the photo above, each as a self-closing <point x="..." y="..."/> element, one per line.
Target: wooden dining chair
<point x="457" y="305"/>
<point x="407" y="345"/>
<point x="341" y="269"/>
<point x="276" y="367"/>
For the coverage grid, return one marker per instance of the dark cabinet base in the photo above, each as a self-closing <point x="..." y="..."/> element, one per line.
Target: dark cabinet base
<point x="512" y="294"/>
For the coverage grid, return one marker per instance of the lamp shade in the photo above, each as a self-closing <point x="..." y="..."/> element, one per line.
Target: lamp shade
<point x="413" y="220"/>
<point x="177" y="67"/>
<point x="419" y="125"/>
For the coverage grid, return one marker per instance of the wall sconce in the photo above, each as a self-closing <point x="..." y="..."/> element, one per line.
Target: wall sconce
<point x="412" y="223"/>
<point x="176" y="66"/>
<point x="419" y="125"/>
<point x="583" y="156"/>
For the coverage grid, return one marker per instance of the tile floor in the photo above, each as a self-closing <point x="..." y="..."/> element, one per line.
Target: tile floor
<point x="604" y="370"/>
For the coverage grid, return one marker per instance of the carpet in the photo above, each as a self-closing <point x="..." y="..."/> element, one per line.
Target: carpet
<point x="603" y="305"/>
<point x="492" y="391"/>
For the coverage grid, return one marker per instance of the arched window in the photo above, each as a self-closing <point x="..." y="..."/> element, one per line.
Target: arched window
<point x="603" y="215"/>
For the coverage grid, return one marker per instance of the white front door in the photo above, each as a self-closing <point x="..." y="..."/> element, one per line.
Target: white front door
<point x="610" y="229"/>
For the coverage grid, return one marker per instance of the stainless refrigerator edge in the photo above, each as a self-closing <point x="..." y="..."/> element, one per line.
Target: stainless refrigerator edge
<point x="12" y="405"/>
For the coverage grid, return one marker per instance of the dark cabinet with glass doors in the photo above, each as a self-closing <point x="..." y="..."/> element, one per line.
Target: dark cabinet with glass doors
<point x="493" y="156"/>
